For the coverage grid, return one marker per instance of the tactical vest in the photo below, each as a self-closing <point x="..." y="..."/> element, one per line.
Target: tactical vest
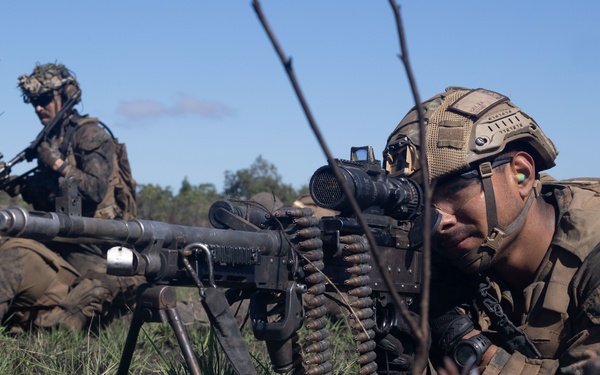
<point x="119" y="200"/>
<point x="547" y="302"/>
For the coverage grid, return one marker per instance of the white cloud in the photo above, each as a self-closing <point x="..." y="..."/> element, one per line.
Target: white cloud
<point x="136" y="110"/>
<point x="185" y="105"/>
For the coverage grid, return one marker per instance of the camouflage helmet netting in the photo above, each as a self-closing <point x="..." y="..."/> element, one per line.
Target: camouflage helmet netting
<point x="47" y="78"/>
<point x="465" y="127"/>
<point x="406" y="158"/>
<point x="447" y="136"/>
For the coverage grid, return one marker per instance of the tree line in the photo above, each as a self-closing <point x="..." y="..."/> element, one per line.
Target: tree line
<point x="190" y="205"/>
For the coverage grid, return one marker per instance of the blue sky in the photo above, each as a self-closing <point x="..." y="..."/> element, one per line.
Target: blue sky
<point x="195" y="88"/>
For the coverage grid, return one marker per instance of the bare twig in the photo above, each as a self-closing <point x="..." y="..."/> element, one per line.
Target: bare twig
<point x="421" y="359"/>
<point x="287" y="64"/>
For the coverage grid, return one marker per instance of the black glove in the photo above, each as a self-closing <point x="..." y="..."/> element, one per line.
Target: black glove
<point x="392" y="357"/>
<point x="30" y="154"/>
<point x="396" y="350"/>
<point x="48" y="155"/>
<point x="448" y="328"/>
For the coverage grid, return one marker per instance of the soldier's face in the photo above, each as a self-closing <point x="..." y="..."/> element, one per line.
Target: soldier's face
<point x="46" y="107"/>
<point x="464" y="226"/>
<point x="461" y="203"/>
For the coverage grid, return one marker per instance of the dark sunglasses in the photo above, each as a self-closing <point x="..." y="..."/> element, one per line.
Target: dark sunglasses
<point x="42" y="100"/>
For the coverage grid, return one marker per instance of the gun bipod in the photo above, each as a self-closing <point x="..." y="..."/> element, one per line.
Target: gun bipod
<point x="157" y="304"/>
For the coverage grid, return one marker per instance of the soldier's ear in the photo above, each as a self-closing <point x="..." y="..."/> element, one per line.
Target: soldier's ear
<point x="522" y="170"/>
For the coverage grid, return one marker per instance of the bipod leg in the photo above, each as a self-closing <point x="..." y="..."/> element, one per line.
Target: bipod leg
<point x="184" y="341"/>
<point x="156" y="304"/>
<point x="132" y="335"/>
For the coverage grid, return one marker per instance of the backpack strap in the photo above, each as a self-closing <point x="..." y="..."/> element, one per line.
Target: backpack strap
<point x="76" y="122"/>
<point x="107" y="129"/>
<point x="124" y="194"/>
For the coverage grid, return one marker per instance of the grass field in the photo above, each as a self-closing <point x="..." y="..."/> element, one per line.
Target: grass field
<point x="157" y="351"/>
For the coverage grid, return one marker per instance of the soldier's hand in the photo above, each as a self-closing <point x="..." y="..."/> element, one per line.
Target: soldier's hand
<point x="30" y="154"/>
<point x="396" y="350"/>
<point x="448" y="328"/>
<point x="391" y="356"/>
<point x="49" y="156"/>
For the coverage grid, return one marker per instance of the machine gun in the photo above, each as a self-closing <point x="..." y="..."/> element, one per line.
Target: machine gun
<point x="393" y="209"/>
<point x="273" y="258"/>
<point x="30" y="152"/>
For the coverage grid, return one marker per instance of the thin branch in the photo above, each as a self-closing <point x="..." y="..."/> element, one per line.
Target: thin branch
<point x="423" y="335"/>
<point x="287" y="64"/>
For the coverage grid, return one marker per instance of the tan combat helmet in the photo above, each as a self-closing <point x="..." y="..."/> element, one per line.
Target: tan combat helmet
<point x="466" y="129"/>
<point x="463" y="128"/>
<point x="48" y="79"/>
<point x="266" y="200"/>
<point x="401" y="155"/>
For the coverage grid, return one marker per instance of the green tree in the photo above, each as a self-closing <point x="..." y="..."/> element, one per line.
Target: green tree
<point x="153" y="202"/>
<point x="191" y="205"/>
<point x="261" y="176"/>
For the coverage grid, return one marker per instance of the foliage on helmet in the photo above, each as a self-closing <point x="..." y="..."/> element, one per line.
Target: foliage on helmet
<point x="47" y="79"/>
<point x="465" y="127"/>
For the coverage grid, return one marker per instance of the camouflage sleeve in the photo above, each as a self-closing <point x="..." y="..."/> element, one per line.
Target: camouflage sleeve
<point x="94" y="155"/>
<point x="10" y="278"/>
<point x="584" y="344"/>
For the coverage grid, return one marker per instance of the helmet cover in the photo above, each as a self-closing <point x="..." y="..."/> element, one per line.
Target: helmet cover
<point x="465" y="127"/>
<point x="45" y="79"/>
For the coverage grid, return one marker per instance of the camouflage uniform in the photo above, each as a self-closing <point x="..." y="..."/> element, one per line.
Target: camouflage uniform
<point x="560" y="311"/>
<point x="469" y="133"/>
<point x="65" y="284"/>
<point x="92" y="153"/>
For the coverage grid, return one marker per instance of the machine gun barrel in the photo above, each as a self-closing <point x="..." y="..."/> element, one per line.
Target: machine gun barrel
<point x="158" y="244"/>
<point x="18" y="222"/>
<point x="259" y="261"/>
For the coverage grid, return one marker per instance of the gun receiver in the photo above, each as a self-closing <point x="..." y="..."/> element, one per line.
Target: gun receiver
<point x="394" y="212"/>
